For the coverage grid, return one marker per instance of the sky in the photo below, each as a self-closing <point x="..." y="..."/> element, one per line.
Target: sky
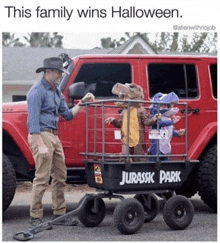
<point x="90" y="40"/>
<point x="82" y="40"/>
<point x="87" y="40"/>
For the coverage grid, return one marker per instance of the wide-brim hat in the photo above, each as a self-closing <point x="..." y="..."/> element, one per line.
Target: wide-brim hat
<point x="52" y="63"/>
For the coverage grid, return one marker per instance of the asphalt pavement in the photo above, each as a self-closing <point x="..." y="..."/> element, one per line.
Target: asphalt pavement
<point x="15" y="219"/>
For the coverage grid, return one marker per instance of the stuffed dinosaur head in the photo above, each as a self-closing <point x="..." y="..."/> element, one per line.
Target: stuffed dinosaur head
<point x="128" y="91"/>
<point x="165" y="109"/>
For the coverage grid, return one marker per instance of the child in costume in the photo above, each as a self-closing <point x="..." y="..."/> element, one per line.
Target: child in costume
<point x="138" y="118"/>
<point x="166" y="124"/>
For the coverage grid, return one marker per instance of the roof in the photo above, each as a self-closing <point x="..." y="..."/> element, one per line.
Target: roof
<point x="125" y="47"/>
<point x="20" y="63"/>
<point x="141" y="56"/>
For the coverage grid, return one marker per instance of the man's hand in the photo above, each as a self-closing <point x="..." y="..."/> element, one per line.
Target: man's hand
<point x="42" y="148"/>
<point x="89" y="97"/>
<point x="43" y="151"/>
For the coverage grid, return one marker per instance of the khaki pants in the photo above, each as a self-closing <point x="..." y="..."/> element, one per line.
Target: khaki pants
<point x="53" y="166"/>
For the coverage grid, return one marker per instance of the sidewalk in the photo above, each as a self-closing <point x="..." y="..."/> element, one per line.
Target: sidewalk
<point x="73" y="193"/>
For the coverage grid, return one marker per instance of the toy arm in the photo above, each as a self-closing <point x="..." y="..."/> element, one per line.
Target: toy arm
<point x="147" y="120"/>
<point x="179" y="133"/>
<point x="114" y="122"/>
<point x="175" y="133"/>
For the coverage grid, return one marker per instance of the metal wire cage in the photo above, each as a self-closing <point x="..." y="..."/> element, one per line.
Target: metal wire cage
<point x="102" y="145"/>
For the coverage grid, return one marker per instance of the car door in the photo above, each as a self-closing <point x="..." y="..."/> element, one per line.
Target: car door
<point x="99" y="75"/>
<point x="185" y="77"/>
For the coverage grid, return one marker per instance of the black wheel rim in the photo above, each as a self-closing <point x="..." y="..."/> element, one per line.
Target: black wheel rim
<point x="180" y="212"/>
<point x="131" y="217"/>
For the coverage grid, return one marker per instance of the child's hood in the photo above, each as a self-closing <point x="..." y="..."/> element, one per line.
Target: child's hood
<point x="132" y="91"/>
<point x="170" y="98"/>
<point x="169" y="112"/>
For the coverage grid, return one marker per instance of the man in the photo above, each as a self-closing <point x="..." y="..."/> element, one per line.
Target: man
<point x="45" y="104"/>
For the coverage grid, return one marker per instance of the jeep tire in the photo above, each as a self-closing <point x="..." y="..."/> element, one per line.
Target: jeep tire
<point x="9" y="182"/>
<point x="207" y="177"/>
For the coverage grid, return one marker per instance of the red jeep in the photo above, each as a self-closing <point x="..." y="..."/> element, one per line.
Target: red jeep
<point x="192" y="78"/>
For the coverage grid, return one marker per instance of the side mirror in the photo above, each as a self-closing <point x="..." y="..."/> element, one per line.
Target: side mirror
<point x="76" y="90"/>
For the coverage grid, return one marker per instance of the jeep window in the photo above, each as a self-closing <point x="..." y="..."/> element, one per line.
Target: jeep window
<point x="178" y="78"/>
<point x="99" y="78"/>
<point x="16" y="98"/>
<point x="213" y="71"/>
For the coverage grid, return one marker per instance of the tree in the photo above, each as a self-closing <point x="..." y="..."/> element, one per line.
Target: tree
<point x="205" y="42"/>
<point x="9" y="40"/>
<point x="33" y="39"/>
<point x="109" y="43"/>
<point x="174" y="44"/>
<point x="44" y="39"/>
<point x="160" y="44"/>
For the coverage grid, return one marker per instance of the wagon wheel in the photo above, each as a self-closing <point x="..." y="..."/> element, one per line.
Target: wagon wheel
<point x="92" y="212"/>
<point x="178" y="212"/>
<point x="129" y="216"/>
<point x="150" y="204"/>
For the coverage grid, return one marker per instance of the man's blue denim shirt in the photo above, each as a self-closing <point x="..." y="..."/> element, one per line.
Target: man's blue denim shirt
<point x="44" y="105"/>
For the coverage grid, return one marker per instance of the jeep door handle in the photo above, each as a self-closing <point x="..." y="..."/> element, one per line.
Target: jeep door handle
<point x="190" y="110"/>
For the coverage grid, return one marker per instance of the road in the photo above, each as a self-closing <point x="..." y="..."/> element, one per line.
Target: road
<point x="15" y="219"/>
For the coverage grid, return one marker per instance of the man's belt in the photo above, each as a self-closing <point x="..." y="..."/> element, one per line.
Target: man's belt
<point x="55" y="132"/>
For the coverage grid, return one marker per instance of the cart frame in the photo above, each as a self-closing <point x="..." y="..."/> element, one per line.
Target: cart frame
<point x="130" y="213"/>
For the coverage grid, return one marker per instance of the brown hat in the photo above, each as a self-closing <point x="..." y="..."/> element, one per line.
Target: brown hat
<point x="52" y="63"/>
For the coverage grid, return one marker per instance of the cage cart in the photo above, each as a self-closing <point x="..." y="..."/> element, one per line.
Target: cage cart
<point x="115" y="175"/>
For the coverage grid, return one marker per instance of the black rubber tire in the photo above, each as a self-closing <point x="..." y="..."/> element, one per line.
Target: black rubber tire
<point x="88" y="217"/>
<point x="9" y="183"/>
<point x="129" y="216"/>
<point x="151" y="210"/>
<point x="207" y="177"/>
<point x="178" y="212"/>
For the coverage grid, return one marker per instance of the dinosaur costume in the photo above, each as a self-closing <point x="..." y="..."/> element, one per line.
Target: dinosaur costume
<point x="166" y="124"/>
<point x="138" y="118"/>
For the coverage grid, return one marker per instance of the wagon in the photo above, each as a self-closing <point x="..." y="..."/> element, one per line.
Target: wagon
<point x="137" y="184"/>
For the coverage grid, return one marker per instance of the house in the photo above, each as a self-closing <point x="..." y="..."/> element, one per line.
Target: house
<point x="135" y="45"/>
<point x="20" y="63"/>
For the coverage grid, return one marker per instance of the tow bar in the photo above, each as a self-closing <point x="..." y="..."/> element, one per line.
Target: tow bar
<point x="25" y="236"/>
